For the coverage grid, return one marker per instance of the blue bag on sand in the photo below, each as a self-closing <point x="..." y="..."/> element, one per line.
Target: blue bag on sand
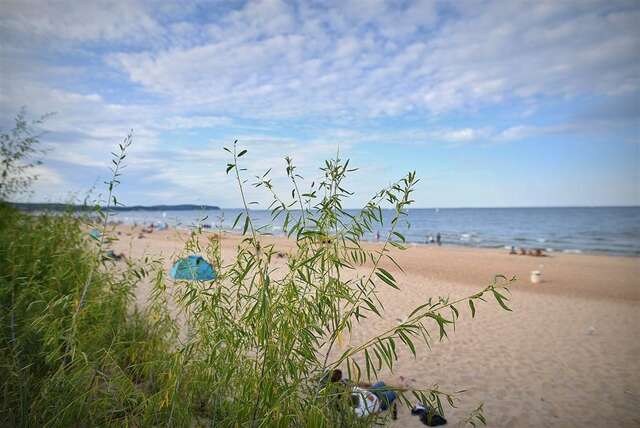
<point x="193" y="268"/>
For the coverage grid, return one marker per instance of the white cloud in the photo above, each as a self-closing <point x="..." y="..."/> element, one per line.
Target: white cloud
<point x="77" y="21"/>
<point x="198" y="174"/>
<point x="47" y="175"/>
<point x="517" y="133"/>
<point x="190" y="122"/>
<point x="259" y="63"/>
<point x="462" y="135"/>
<point x="48" y="182"/>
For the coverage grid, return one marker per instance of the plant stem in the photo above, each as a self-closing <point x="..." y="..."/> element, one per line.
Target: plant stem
<point x="112" y="183"/>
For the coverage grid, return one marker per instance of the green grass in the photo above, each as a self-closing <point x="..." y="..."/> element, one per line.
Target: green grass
<point x="44" y="261"/>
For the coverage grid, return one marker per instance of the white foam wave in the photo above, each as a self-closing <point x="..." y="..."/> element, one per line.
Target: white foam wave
<point x="572" y="251"/>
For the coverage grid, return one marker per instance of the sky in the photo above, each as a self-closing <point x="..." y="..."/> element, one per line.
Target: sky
<point x="493" y="104"/>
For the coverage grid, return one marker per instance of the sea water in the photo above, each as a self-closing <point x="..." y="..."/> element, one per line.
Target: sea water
<point x="609" y="230"/>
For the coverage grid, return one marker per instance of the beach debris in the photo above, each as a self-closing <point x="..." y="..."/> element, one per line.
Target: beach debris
<point x="193" y="267"/>
<point x="112" y="255"/>
<point x="280" y="254"/>
<point x="591" y="330"/>
<point x="536" y="276"/>
<point x="155" y="226"/>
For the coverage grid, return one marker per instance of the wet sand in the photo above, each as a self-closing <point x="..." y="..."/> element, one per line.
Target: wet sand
<point x="568" y="355"/>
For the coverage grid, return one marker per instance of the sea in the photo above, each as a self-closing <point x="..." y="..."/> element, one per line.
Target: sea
<point x="599" y="230"/>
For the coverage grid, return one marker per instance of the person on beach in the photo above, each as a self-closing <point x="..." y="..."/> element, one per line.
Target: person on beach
<point x="438" y="239"/>
<point x="367" y="399"/>
<point x="374" y="399"/>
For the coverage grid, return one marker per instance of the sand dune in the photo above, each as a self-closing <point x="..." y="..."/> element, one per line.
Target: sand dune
<point x="568" y="355"/>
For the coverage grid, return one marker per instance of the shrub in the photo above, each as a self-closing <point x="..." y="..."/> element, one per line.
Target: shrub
<point x="260" y="339"/>
<point x="251" y="347"/>
<point x="18" y="147"/>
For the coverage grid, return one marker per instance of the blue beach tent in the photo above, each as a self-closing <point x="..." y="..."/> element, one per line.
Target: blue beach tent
<point x="193" y="268"/>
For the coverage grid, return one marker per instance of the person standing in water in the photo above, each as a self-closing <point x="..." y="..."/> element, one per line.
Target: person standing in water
<point x="438" y="239"/>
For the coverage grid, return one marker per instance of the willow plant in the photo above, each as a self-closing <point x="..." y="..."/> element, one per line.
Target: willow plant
<point x="260" y="339"/>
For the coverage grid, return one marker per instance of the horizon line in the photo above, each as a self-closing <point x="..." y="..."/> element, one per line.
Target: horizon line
<point x="348" y="208"/>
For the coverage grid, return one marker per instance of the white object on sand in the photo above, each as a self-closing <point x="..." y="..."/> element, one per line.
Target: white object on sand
<point x="368" y="403"/>
<point x="536" y="276"/>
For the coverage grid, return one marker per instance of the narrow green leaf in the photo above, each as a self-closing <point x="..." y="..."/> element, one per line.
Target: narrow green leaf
<point x="237" y="220"/>
<point x="501" y="299"/>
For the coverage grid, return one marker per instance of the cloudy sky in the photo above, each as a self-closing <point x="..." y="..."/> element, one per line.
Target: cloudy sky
<point x="507" y="103"/>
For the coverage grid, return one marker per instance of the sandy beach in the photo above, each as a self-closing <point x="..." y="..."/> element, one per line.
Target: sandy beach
<point x="568" y="355"/>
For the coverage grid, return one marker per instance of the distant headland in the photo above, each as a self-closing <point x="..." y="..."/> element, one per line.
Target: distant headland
<point x="72" y="207"/>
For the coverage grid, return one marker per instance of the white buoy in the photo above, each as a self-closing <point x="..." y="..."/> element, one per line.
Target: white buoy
<point x="536" y="276"/>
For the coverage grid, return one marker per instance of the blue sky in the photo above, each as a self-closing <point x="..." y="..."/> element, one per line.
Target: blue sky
<point x="507" y="103"/>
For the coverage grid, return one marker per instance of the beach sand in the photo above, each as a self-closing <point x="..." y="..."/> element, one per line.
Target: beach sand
<point x="568" y="355"/>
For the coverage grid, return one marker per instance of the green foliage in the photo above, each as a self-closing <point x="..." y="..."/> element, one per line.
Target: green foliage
<point x="17" y="149"/>
<point x="248" y="349"/>
<point x="43" y="262"/>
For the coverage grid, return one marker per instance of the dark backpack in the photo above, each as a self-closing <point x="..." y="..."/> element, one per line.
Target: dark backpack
<point x="428" y="416"/>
